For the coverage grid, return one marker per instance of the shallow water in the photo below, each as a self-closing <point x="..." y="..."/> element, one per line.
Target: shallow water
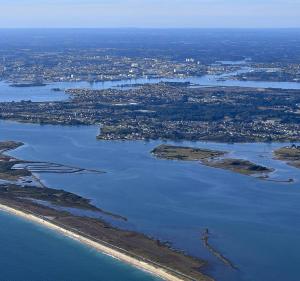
<point x="254" y="223"/>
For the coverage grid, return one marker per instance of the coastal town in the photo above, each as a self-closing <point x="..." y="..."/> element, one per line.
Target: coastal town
<point x="174" y="111"/>
<point x="273" y="72"/>
<point x="92" y="66"/>
<point x="147" y="140"/>
<point x="127" y="116"/>
<point x="27" y="67"/>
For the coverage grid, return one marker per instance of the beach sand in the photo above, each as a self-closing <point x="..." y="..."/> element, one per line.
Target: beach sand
<point x="112" y="252"/>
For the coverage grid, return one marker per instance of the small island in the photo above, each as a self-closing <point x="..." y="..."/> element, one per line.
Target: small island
<point x="240" y="166"/>
<point x="28" y="85"/>
<point x="211" y="158"/>
<point x="57" y="90"/>
<point x="289" y="154"/>
<point x="172" y="152"/>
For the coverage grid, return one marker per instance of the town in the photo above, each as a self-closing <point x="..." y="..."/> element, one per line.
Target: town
<point x="174" y="111"/>
<point x="95" y="65"/>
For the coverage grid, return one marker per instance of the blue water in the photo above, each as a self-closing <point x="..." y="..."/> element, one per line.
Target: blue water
<point x="8" y="94"/>
<point x="254" y="223"/>
<point x="45" y="93"/>
<point x="31" y="252"/>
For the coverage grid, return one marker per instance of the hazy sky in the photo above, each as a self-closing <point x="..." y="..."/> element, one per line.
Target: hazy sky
<point x="149" y="13"/>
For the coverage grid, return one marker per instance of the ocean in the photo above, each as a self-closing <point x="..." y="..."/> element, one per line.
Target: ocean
<point x="254" y="223"/>
<point x="32" y="252"/>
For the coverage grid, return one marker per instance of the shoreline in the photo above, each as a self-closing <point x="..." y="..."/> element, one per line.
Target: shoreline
<point x="133" y="248"/>
<point x="102" y="247"/>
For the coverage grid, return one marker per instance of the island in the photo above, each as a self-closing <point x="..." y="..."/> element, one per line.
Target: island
<point x="43" y="205"/>
<point x="172" y="152"/>
<point x="240" y="166"/>
<point x="289" y="154"/>
<point x="28" y="85"/>
<point x="211" y="158"/>
<point x="57" y="90"/>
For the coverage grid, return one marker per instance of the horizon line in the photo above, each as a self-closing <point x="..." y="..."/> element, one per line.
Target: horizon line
<point x="146" y="27"/>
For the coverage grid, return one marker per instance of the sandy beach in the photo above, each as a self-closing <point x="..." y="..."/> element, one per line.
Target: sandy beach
<point x="150" y="267"/>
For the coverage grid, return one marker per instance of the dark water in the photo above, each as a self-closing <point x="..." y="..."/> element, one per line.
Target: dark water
<point x="254" y="223"/>
<point x="31" y="252"/>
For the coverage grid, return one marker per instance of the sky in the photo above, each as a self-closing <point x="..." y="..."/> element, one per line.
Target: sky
<point x="150" y="13"/>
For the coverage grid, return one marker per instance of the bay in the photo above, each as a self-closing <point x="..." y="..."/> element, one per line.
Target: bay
<point x="46" y="93"/>
<point x="254" y="223"/>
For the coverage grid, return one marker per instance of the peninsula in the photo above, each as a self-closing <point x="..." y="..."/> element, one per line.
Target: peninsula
<point x="171" y="112"/>
<point x="43" y="205"/>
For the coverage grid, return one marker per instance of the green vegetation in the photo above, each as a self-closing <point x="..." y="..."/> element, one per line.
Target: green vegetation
<point x="8" y="173"/>
<point x="210" y="158"/>
<point x="128" y="242"/>
<point x="28" y="85"/>
<point x="9" y="145"/>
<point x="171" y="152"/>
<point x="289" y="154"/>
<point x="57" y="197"/>
<point x="45" y="203"/>
<point x="239" y="166"/>
<point x="162" y="111"/>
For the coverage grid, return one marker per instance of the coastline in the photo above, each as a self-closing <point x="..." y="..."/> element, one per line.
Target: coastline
<point x="130" y="247"/>
<point x="103" y="247"/>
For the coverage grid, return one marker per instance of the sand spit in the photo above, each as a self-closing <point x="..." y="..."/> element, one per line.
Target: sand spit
<point x="147" y="266"/>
